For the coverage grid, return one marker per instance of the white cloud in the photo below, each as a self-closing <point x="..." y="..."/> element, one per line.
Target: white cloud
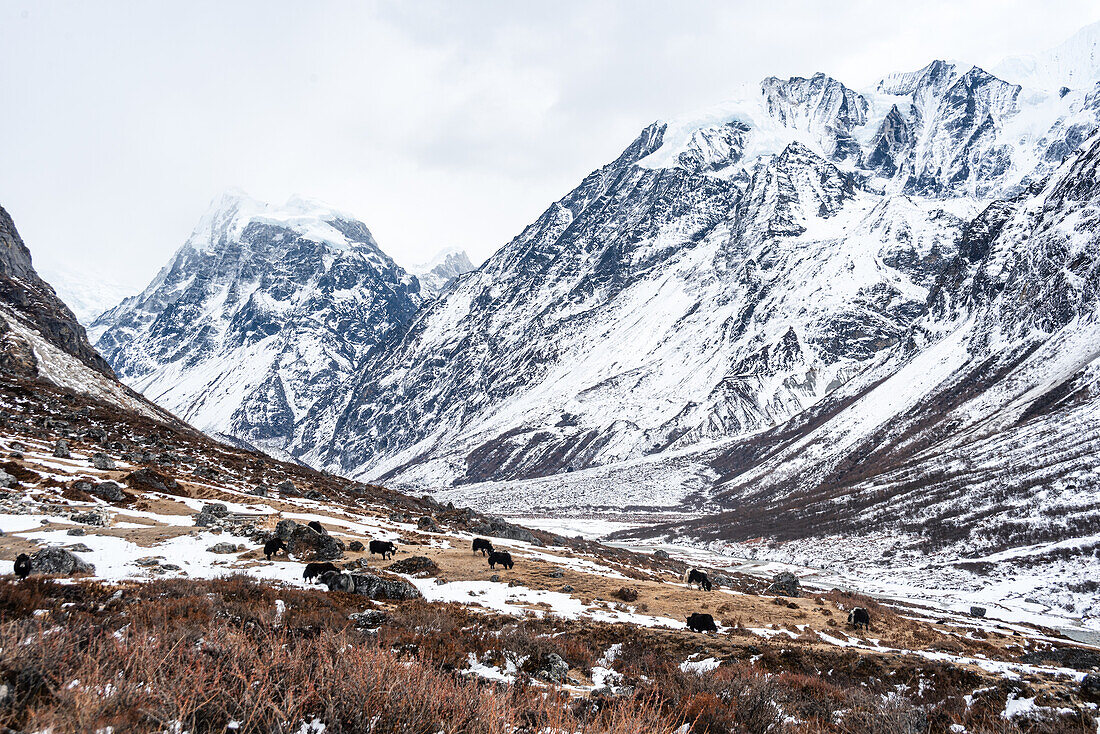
<point x="439" y="123"/>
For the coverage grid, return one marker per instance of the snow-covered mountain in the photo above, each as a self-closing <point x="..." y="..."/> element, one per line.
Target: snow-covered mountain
<point x="437" y="273"/>
<point x="88" y="296"/>
<point x="730" y="271"/>
<point x="264" y="309"/>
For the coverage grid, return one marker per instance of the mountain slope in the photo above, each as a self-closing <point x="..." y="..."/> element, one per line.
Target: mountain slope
<point x="728" y="272"/>
<point x="262" y="310"/>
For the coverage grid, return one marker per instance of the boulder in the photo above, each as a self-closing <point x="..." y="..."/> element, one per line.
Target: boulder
<point x="259" y="492"/>
<point x="663" y="555"/>
<point x="373" y="586"/>
<point x="785" y="583"/>
<point x="553" y="668"/>
<point x="284" y="528"/>
<point x="356" y="546"/>
<point x="150" y="479"/>
<point x="306" y="543"/>
<point x="225" y="548"/>
<point x="427" y="523"/>
<point x="977" y="611"/>
<point x="61" y="449"/>
<point x="78" y="548"/>
<point x="567" y="589"/>
<point x="103" y="462"/>
<point x="211" y="515"/>
<point x="313" y="494"/>
<point x="286" y="486"/>
<point x="1090" y="686"/>
<point x="7" y="481"/>
<point x="75" y="532"/>
<point x="369" y="619"/>
<point x="418" y="566"/>
<point x="59" y="561"/>
<point x="91" y="517"/>
<point x="110" y="491"/>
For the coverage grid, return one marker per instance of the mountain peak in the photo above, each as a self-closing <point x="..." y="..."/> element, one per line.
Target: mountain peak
<point x="233" y="210"/>
<point x="1073" y="64"/>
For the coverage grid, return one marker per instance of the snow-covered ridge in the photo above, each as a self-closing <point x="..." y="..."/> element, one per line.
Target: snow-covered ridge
<point x="234" y="210"/>
<point x="1074" y="64"/>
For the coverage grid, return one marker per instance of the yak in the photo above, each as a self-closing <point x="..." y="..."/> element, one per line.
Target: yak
<point x="23" y="566"/>
<point x="313" y="570"/>
<point x="273" y="546"/>
<point x="859" y="617"/>
<point x="504" y="558"/>
<point x="701" y="623"/>
<point x="695" y="576"/>
<point x="383" y="547"/>
<point x="481" y="545"/>
<point x="317" y="526"/>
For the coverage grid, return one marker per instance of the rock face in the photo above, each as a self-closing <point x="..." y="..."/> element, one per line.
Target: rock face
<point x="722" y="276"/>
<point x="418" y="566"/>
<point x="26" y="294"/>
<point x="59" y="561"/>
<point x="274" y="306"/>
<point x="444" y="268"/>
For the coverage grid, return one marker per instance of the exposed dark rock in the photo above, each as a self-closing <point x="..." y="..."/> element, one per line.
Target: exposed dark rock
<point x="61" y="449"/>
<point x="305" y="543"/>
<point x="225" y="548"/>
<point x="284" y="529"/>
<point x="356" y="546"/>
<point x="373" y="586"/>
<point x="785" y="583"/>
<point x="501" y="528"/>
<point x="103" y="461"/>
<point x="211" y="515"/>
<point x="418" y="566"/>
<point x="427" y="523"/>
<point x="59" y="561"/>
<point x="553" y="668"/>
<point x="369" y="619"/>
<point x="977" y="611"/>
<point x="150" y="479"/>
<point x="110" y="491"/>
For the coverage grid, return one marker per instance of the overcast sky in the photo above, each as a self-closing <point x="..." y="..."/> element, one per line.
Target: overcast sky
<point x="438" y="123"/>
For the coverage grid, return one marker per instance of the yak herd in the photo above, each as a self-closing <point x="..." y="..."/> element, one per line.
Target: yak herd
<point x="327" y="572"/>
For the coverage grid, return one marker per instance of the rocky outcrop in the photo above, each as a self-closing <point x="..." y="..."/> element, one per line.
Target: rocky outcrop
<point x="305" y="543"/>
<point x="373" y="586"/>
<point x="25" y="293"/>
<point x="59" y="561"/>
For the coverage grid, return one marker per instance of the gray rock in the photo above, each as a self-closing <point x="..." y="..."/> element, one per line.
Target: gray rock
<point x="555" y="574"/>
<point x="418" y="566"/>
<point x="225" y="548"/>
<point x="977" y="611"/>
<point x="90" y="518"/>
<point x="785" y="583"/>
<point x="307" y="543"/>
<point x="567" y="589"/>
<point x="427" y="523"/>
<point x="495" y="578"/>
<point x="554" y="668"/>
<point x="369" y="619"/>
<point x="61" y="449"/>
<point x="259" y="492"/>
<point x="77" y="532"/>
<point x="356" y="546"/>
<point x="663" y="555"/>
<point x="110" y="491"/>
<point x="7" y="481"/>
<point x="78" y="548"/>
<point x="313" y="494"/>
<point x="1090" y="685"/>
<point x="286" y="486"/>
<point x="59" y="561"/>
<point x="398" y="517"/>
<point x="103" y="462"/>
<point x="372" y="586"/>
<point x="211" y="515"/>
<point x="284" y="529"/>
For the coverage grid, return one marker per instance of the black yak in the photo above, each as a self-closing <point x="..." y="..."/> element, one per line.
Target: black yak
<point x="859" y="617"/>
<point x="23" y="566"/>
<point x="317" y="526"/>
<point x="504" y="558"/>
<point x="384" y="547"/>
<point x="695" y="576"/>
<point x="701" y="623"/>
<point x="273" y="546"/>
<point x="313" y="570"/>
<point x="481" y="545"/>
